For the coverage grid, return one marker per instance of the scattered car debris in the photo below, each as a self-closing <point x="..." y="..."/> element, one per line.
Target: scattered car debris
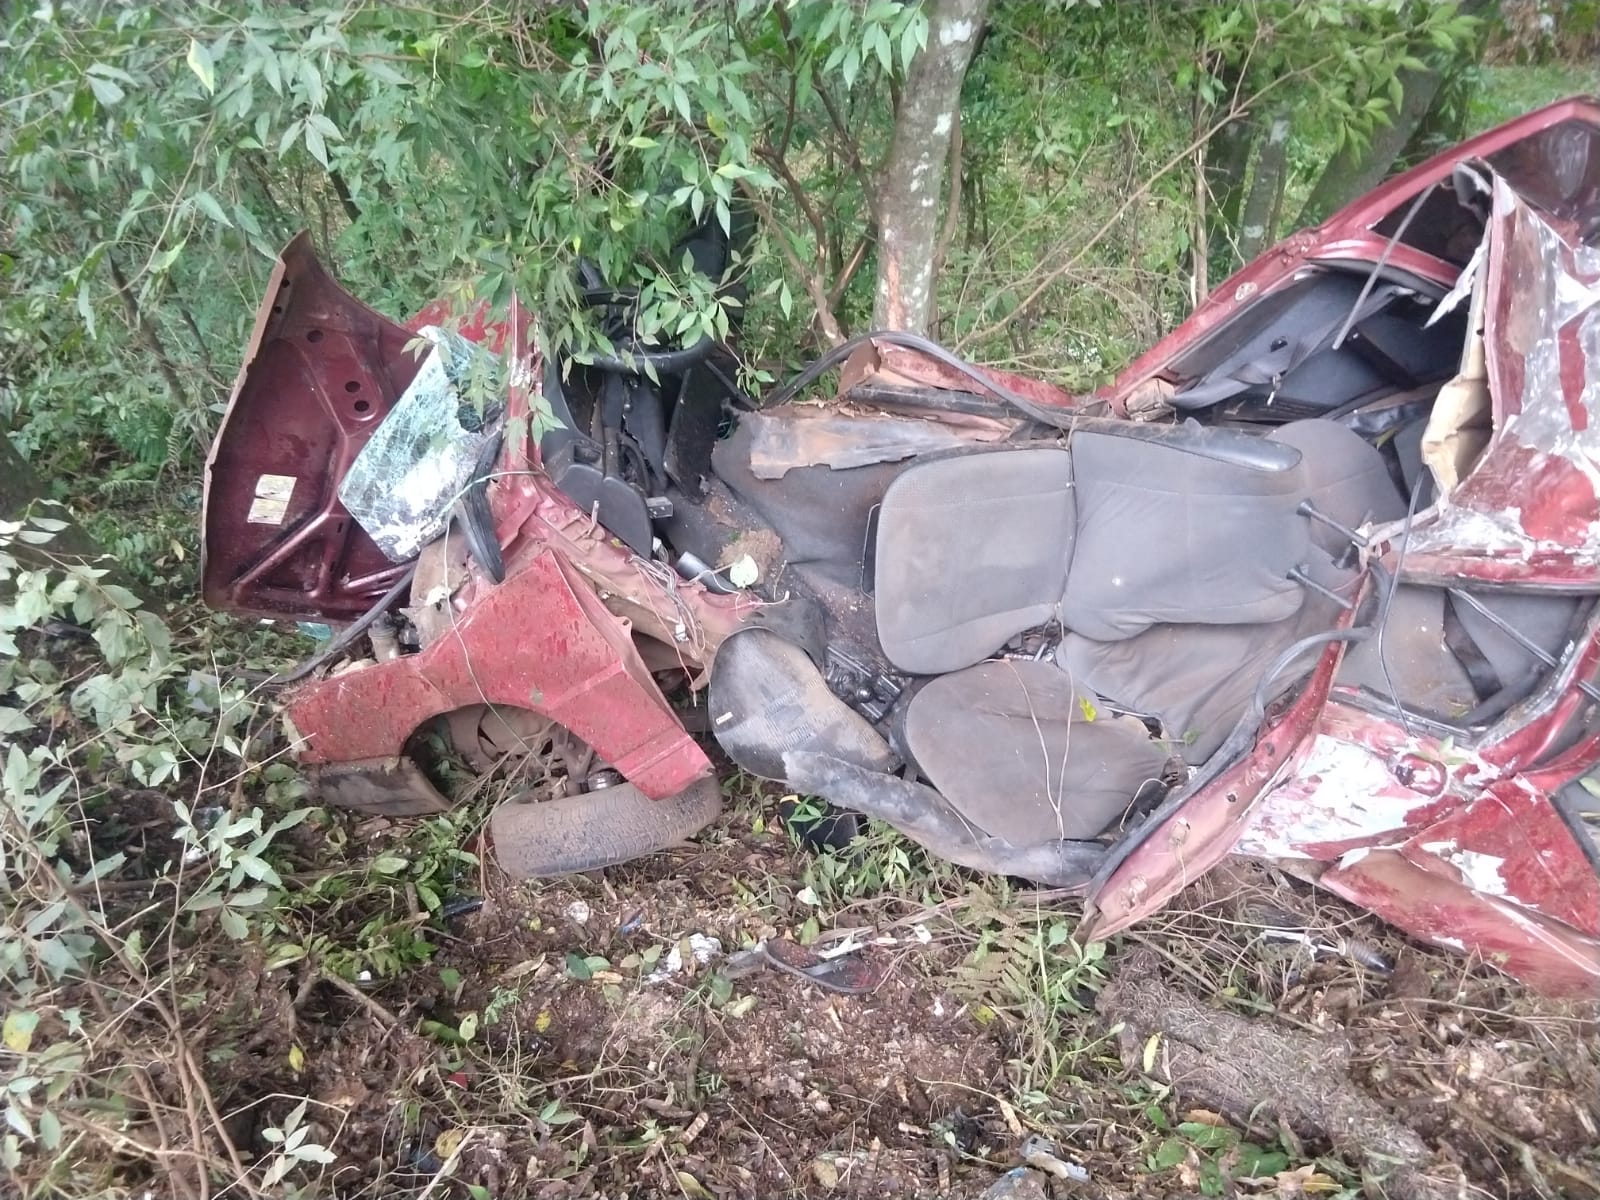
<point x="702" y="949"/>
<point x="1040" y="1153"/>
<point x="1019" y="1183"/>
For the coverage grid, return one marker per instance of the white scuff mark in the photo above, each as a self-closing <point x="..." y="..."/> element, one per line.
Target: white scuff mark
<point x="1481" y="871"/>
<point x="955" y="33"/>
<point x="942" y="125"/>
<point x="1339" y="793"/>
<point x="1452" y="942"/>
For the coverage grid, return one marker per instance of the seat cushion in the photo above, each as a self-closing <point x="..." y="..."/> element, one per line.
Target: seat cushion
<point x="1026" y="758"/>
<point x="971" y="551"/>
<point x="1172" y="530"/>
<point x="1425" y="671"/>
<point x="1197" y="680"/>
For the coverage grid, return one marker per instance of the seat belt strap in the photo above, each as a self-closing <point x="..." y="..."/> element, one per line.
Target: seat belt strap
<point x="1480" y="672"/>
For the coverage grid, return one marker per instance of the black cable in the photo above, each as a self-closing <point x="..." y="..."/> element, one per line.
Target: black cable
<point x="1383" y="259"/>
<point x="349" y="634"/>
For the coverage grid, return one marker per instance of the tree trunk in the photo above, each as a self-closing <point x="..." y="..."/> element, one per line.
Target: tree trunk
<point x="1256" y="223"/>
<point x="911" y="182"/>
<point x="1227" y="168"/>
<point x="1356" y="170"/>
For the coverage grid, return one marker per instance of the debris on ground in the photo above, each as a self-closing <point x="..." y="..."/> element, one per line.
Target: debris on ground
<point x="1019" y="1183"/>
<point x="701" y="950"/>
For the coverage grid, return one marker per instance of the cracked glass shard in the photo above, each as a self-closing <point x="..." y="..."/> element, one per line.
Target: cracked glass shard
<point x="405" y="481"/>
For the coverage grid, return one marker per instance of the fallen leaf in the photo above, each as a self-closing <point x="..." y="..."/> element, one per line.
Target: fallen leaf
<point x="523" y="968"/>
<point x="297" y="1059"/>
<point x="541" y="1023"/>
<point x="448" y="1142"/>
<point x="827" y="1174"/>
<point x="18" y="1031"/>
<point x="690" y="1186"/>
<point x="1204" y="1116"/>
<point x="1150" y="1048"/>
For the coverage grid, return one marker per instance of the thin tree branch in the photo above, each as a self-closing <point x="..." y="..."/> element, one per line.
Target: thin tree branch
<point x="145" y="331"/>
<point x="826" y="322"/>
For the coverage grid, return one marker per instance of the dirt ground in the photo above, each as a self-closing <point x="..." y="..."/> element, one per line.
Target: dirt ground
<point x="583" y="1077"/>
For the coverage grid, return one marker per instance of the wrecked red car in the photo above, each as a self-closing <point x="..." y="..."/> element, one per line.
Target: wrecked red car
<point x="1314" y="581"/>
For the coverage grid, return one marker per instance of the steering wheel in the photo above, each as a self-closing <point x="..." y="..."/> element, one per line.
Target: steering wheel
<point x="634" y="358"/>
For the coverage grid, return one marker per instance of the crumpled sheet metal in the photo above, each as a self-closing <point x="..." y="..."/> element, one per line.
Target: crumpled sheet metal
<point x="841" y="442"/>
<point x="404" y="482"/>
<point x="1532" y="503"/>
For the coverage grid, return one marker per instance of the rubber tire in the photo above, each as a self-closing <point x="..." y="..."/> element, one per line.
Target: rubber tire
<point x="538" y="839"/>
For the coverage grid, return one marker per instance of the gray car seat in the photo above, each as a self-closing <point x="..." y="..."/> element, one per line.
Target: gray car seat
<point x="1171" y="557"/>
<point x="1130" y="526"/>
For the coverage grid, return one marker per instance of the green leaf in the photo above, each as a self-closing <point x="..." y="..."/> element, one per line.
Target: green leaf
<point x="207" y="203"/>
<point x="314" y="143"/>
<point x="105" y="91"/>
<point x="199" y="60"/>
<point x="578" y="967"/>
<point x="86" y="311"/>
<point x="680" y="101"/>
<point x="49" y="1130"/>
<point x="1255" y="1162"/>
<point x="1169" y="1154"/>
<point x="1208" y="1137"/>
<point x="167" y="257"/>
<point x="290" y="136"/>
<point x="233" y="924"/>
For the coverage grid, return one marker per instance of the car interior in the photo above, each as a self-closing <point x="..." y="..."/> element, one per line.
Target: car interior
<point x="1052" y="631"/>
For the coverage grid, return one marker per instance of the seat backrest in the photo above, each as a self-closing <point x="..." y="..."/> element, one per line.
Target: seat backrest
<point x="1197" y="526"/>
<point x="1346" y="479"/>
<point x="971" y="551"/>
<point x="1131" y="526"/>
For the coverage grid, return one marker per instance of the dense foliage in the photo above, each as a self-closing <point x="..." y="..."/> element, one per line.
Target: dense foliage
<point x="158" y="154"/>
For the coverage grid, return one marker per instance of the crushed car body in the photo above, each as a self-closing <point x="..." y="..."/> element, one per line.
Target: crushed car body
<point x="1313" y="581"/>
